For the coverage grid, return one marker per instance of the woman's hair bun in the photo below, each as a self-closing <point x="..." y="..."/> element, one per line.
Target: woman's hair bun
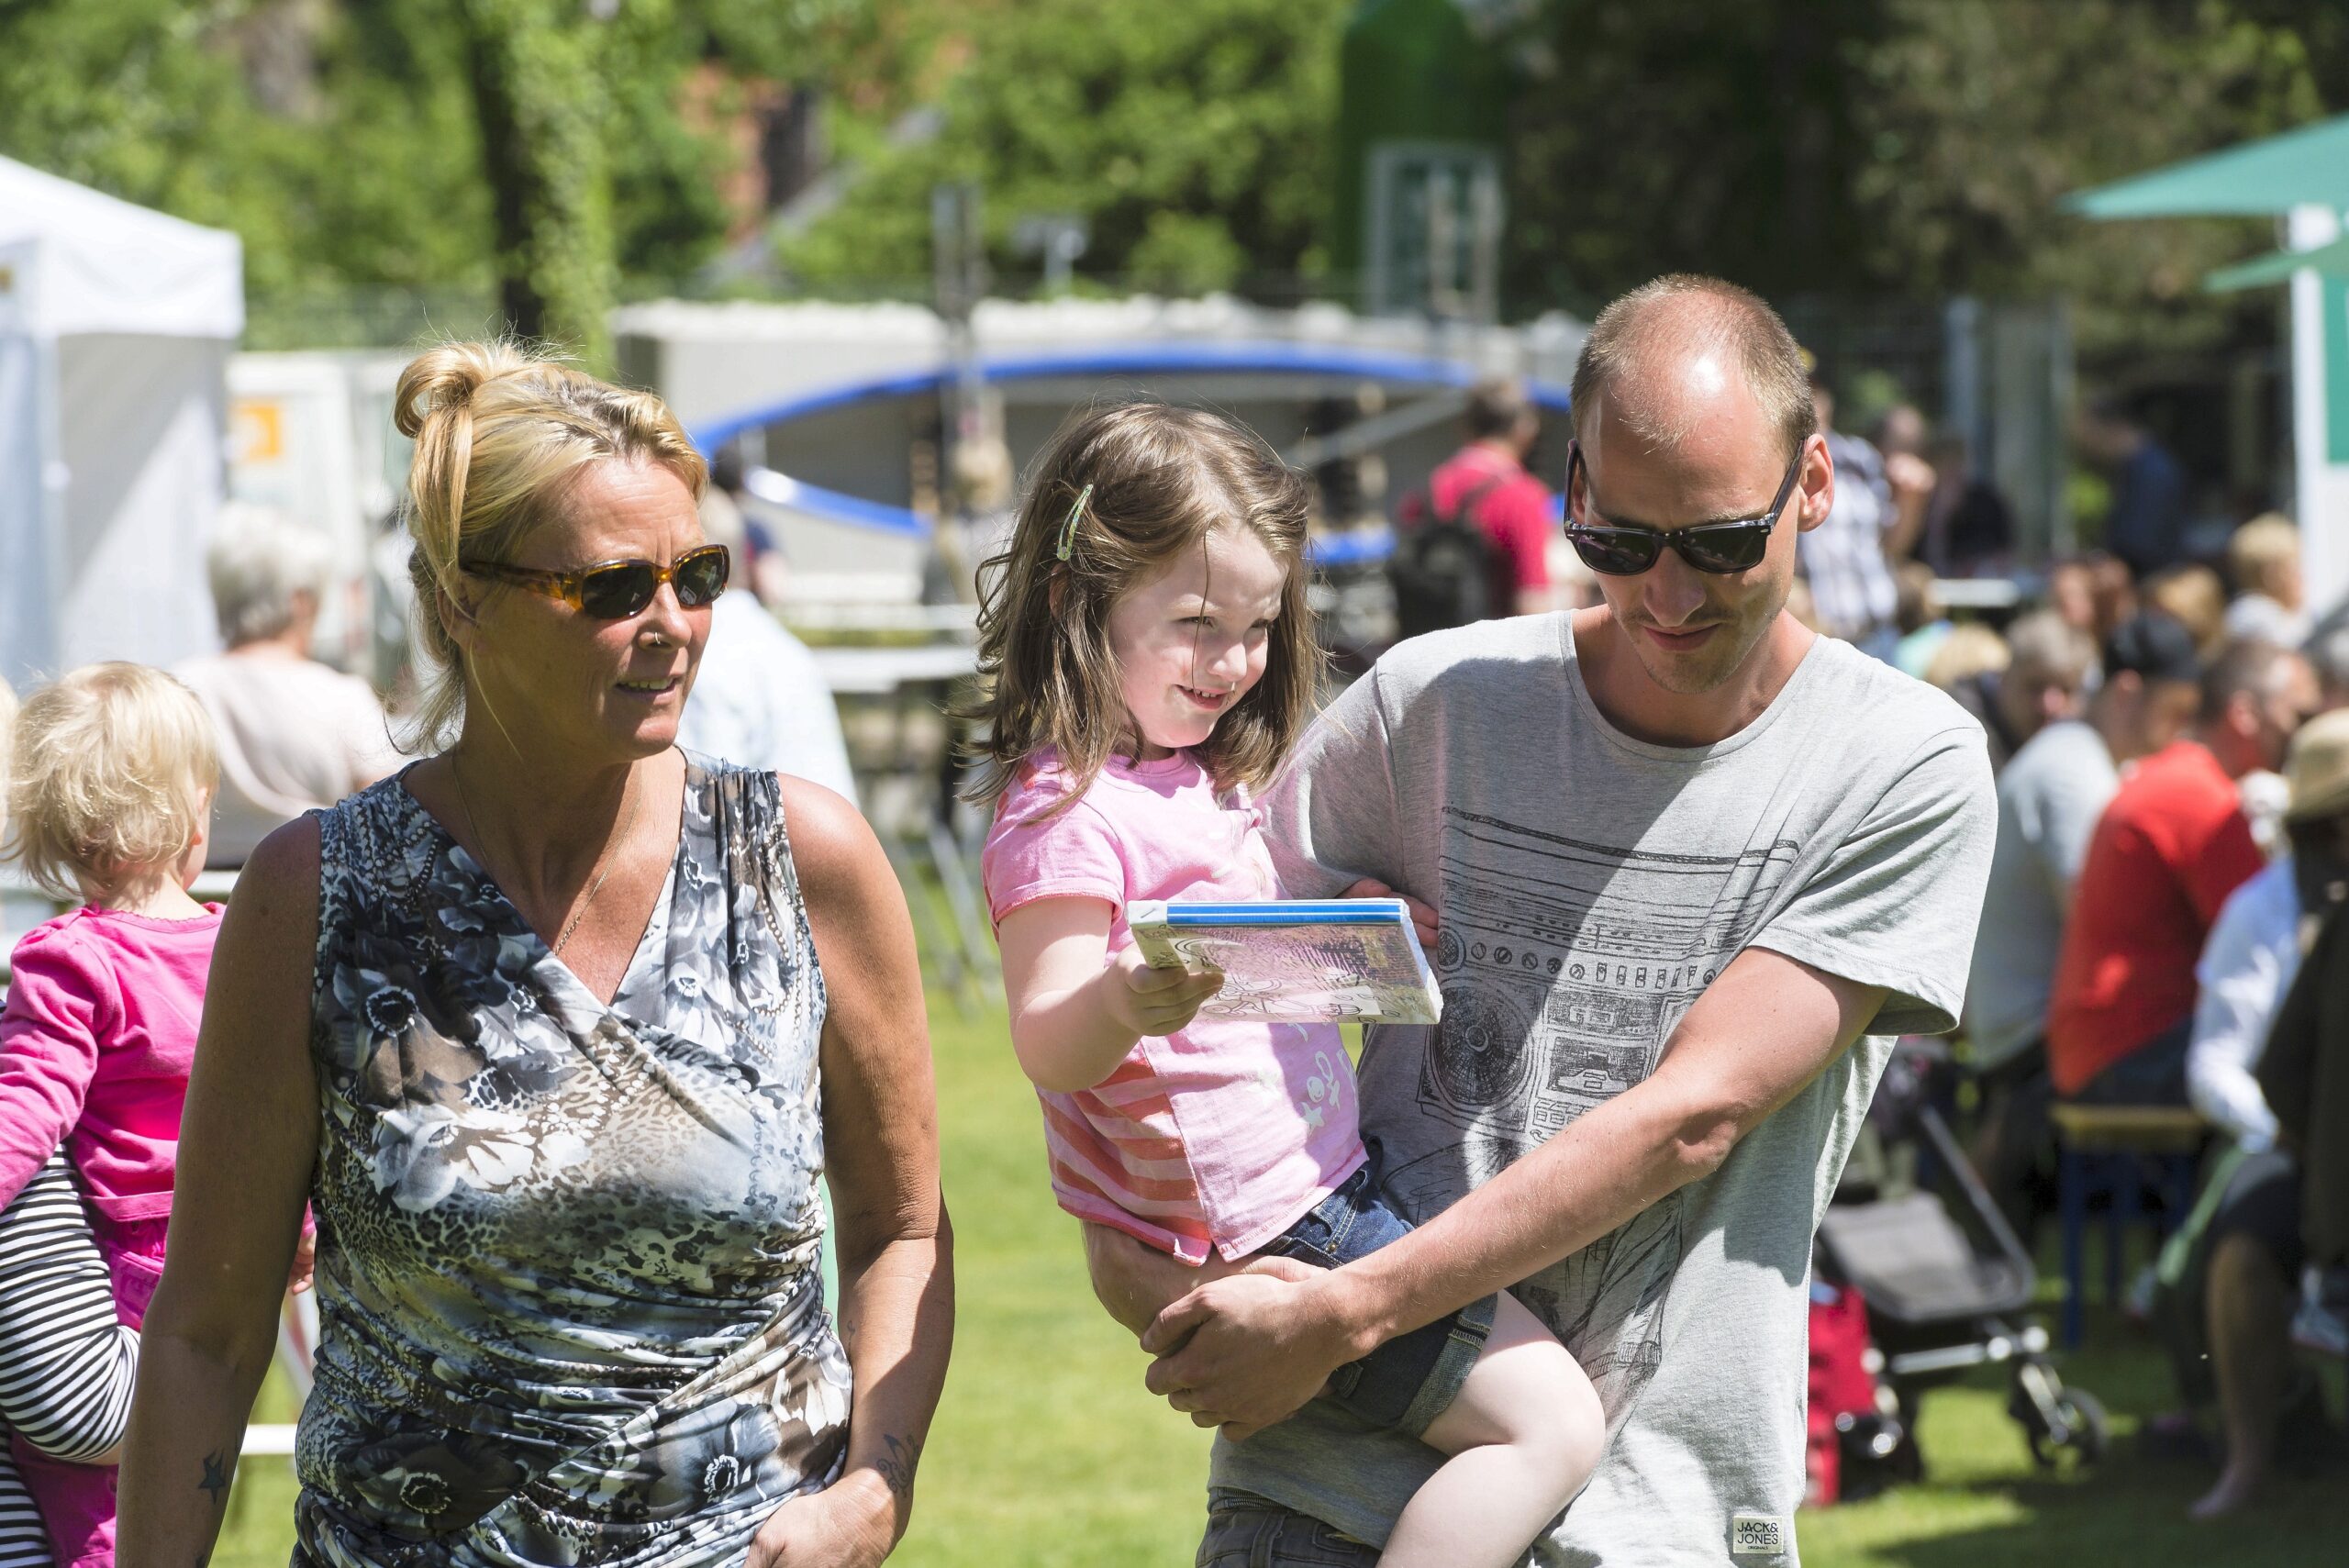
<point x="447" y="377"/>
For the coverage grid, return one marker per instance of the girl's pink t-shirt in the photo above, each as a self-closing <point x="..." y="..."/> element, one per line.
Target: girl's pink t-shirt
<point x="95" y="1044"/>
<point x="1217" y="1137"/>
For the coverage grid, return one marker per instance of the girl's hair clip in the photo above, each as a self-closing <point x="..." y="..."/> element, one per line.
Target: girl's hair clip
<point x="1068" y="529"/>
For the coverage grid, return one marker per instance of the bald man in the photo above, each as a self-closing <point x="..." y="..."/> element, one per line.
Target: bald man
<point x="1695" y="866"/>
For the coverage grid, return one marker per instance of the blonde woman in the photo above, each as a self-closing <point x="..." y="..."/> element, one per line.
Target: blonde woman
<point x="557" y="1031"/>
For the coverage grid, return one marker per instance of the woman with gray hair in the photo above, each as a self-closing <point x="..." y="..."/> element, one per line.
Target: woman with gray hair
<point x="294" y="733"/>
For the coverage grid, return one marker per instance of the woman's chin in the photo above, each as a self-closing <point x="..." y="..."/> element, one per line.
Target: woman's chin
<point x="648" y="735"/>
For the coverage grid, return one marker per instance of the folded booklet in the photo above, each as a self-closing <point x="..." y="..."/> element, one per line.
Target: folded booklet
<point x="1297" y="960"/>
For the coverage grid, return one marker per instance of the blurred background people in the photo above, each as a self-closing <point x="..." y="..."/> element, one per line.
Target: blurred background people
<point x="2195" y="595"/>
<point x="1485" y="484"/>
<point x="2071" y="594"/>
<point x="2145" y="525"/>
<point x="2254" y="1247"/>
<point x="1917" y="616"/>
<point x="2113" y="591"/>
<point x="1970" y="660"/>
<point x="2051" y="795"/>
<point x="2328" y="651"/>
<point x="294" y="734"/>
<point x="759" y="561"/>
<point x="2047" y="663"/>
<point x="1902" y="429"/>
<point x="2173" y="843"/>
<point x="1969" y="526"/>
<point x="1847" y="559"/>
<point x="2265" y="795"/>
<point x="2255" y="948"/>
<point x="2263" y="559"/>
<point x="760" y="698"/>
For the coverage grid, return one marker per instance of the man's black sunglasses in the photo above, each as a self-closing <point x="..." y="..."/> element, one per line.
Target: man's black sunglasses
<point x="1719" y="548"/>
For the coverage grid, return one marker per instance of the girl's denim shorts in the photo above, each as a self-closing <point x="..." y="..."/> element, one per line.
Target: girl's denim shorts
<point x="1409" y="1380"/>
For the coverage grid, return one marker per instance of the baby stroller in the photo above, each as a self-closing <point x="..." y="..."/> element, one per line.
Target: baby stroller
<point x="1945" y="1279"/>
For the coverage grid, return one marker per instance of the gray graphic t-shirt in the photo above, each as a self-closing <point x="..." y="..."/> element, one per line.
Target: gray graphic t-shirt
<point x="1589" y="887"/>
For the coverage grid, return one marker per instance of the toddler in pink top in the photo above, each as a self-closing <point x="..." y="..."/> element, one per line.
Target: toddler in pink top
<point x="1151" y="661"/>
<point x="108" y="804"/>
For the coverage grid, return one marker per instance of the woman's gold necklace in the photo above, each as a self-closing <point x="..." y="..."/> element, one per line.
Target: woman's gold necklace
<point x="611" y="855"/>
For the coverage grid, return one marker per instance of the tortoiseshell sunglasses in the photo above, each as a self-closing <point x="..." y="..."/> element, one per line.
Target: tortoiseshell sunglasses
<point x="614" y="590"/>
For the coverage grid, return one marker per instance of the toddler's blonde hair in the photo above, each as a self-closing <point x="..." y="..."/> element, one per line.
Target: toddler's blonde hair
<point x="7" y="729"/>
<point x="112" y="770"/>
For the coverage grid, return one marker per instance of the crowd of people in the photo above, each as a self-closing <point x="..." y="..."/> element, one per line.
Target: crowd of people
<point x="2172" y="786"/>
<point x="528" y="1057"/>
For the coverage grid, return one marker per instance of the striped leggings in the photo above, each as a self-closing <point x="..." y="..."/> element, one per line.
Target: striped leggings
<point x="66" y="1365"/>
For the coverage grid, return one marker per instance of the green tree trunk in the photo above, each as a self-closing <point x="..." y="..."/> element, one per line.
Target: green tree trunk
<point x="538" y="88"/>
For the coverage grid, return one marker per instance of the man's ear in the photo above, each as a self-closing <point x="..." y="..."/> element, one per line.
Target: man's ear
<point x="1815" y="487"/>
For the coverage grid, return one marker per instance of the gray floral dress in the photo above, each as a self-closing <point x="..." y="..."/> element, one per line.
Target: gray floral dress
<point x="568" y="1287"/>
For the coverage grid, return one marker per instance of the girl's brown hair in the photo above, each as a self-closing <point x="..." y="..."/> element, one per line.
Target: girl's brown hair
<point x="1163" y="479"/>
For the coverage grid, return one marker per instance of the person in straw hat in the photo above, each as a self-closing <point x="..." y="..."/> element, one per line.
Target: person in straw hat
<point x="2257" y="969"/>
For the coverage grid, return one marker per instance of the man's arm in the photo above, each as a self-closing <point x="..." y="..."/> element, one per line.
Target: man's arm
<point x="1249" y="1351"/>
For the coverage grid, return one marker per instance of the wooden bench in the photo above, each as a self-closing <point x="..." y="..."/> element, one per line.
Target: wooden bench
<point x="2104" y="1147"/>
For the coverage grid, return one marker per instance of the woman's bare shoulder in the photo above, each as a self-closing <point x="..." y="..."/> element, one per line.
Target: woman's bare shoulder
<point x="842" y="867"/>
<point x="276" y="897"/>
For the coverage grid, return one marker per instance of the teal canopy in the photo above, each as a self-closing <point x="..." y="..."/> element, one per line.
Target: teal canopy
<point x="2258" y="179"/>
<point x="2279" y="266"/>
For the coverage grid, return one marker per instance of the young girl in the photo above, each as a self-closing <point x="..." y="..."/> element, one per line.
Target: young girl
<point x="1152" y="661"/>
<point x="66" y="1365"/>
<point x="108" y="801"/>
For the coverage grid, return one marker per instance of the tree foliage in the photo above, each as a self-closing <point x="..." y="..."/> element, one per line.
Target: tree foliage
<point x="1193" y="138"/>
<point x="537" y="81"/>
<point x="344" y="139"/>
<point x="1913" y="148"/>
<point x="1898" y="147"/>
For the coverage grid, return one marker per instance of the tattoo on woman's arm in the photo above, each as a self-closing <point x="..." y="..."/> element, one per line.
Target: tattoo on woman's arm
<point x="216" y="1477"/>
<point x="897" y="1464"/>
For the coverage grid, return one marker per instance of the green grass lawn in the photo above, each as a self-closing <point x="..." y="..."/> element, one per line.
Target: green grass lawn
<point x="1048" y="1453"/>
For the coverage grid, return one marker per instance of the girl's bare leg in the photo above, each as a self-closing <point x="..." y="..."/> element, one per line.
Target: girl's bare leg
<point x="1524" y="1434"/>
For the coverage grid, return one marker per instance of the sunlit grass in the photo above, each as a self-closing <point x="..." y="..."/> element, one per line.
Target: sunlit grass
<point x="1047" y="1452"/>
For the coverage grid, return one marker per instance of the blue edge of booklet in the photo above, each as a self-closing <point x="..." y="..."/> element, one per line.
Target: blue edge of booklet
<point x="1294" y="912"/>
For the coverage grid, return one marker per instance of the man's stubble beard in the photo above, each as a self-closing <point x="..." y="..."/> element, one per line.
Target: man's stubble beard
<point x="1716" y="665"/>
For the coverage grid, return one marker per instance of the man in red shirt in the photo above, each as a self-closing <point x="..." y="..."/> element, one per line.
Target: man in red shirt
<point x="2170" y="847"/>
<point x="1517" y="512"/>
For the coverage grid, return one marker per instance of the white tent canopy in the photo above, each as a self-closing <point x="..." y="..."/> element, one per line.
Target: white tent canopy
<point x="116" y="325"/>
